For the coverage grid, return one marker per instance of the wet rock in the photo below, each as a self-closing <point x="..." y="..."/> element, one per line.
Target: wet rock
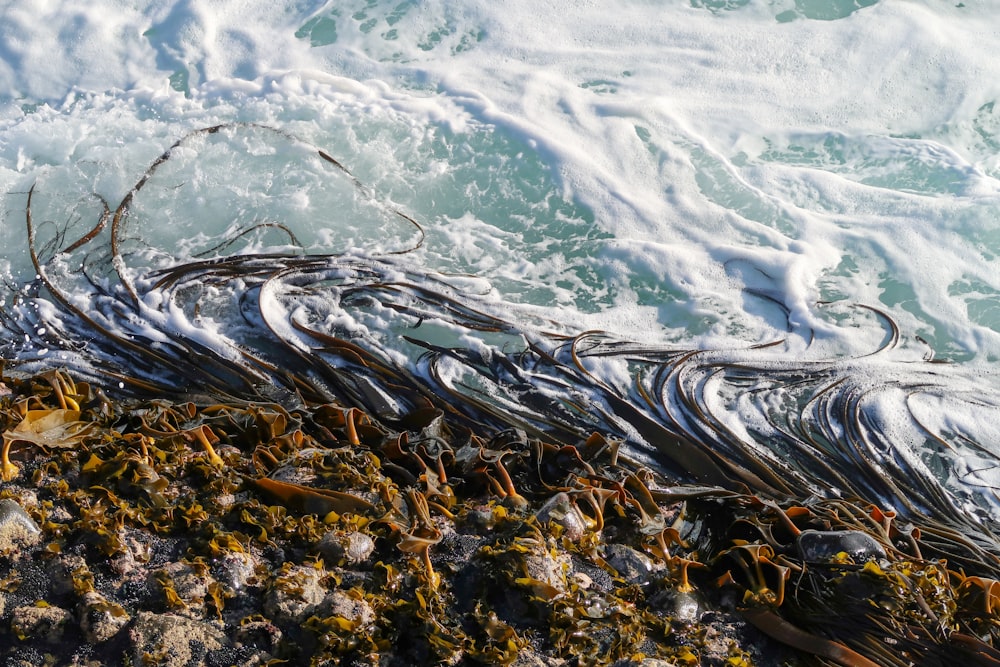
<point x="184" y="586"/>
<point x="17" y="528"/>
<point x="343" y="604"/>
<point x="294" y="594"/>
<point x="40" y="624"/>
<point x="236" y="570"/>
<point x="686" y="606"/>
<point x="100" y="619"/>
<point x="171" y="640"/>
<point x="822" y="546"/>
<point x="562" y="511"/>
<point x="348" y="548"/>
<point x="481" y="519"/>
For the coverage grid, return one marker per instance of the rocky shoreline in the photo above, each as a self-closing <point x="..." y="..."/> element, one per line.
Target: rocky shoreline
<point x="141" y="535"/>
<point x="189" y="534"/>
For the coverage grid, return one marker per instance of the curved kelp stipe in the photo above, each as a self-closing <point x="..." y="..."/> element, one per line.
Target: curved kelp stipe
<point x="383" y="334"/>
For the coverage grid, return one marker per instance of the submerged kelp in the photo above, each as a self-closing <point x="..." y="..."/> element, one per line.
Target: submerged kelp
<point x="345" y="387"/>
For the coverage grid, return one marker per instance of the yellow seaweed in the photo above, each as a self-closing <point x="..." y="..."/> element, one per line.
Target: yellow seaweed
<point x="58" y="428"/>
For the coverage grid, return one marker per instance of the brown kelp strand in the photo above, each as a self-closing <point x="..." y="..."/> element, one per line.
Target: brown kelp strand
<point x="320" y="533"/>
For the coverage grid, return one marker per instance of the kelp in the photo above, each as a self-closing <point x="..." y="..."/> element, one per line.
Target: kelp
<point x="835" y="578"/>
<point x="767" y="452"/>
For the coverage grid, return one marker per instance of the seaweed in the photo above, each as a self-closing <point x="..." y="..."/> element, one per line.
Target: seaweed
<point x="279" y="431"/>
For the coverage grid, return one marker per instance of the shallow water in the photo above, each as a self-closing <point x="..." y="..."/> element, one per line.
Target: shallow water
<point x="691" y="176"/>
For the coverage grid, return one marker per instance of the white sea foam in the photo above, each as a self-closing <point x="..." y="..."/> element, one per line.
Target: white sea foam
<point x="698" y="149"/>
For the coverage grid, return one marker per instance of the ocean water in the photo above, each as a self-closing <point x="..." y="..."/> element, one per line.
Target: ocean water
<point x="802" y="194"/>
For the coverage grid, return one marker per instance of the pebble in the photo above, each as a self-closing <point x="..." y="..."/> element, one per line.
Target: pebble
<point x="561" y="510"/>
<point x="171" y="640"/>
<point x="822" y="546"/>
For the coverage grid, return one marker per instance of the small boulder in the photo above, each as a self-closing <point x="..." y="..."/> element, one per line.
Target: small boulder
<point x="40" y="623"/>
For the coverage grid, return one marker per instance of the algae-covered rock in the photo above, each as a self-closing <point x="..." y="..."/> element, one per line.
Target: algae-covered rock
<point x="185" y="587"/>
<point x="40" y="623"/>
<point x="341" y="604"/>
<point x="237" y="570"/>
<point x="345" y="547"/>
<point x="100" y="619"/>
<point x="66" y="573"/>
<point x="295" y="594"/>
<point x="171" y="640"/>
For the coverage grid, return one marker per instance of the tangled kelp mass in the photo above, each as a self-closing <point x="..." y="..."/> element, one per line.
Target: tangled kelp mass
<point x="322" y="536"/>
<point x="364" y="395"/>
